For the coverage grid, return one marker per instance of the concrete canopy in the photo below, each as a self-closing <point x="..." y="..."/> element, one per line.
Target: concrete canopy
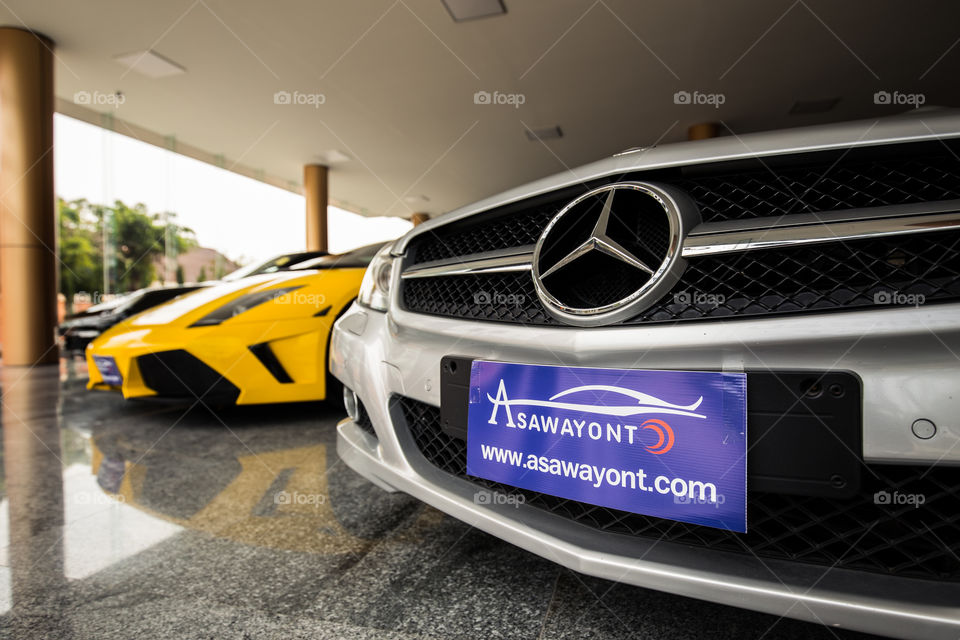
<point x="386" y="91"/>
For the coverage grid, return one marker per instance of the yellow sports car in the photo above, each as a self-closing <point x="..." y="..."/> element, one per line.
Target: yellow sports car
<point x="262" y="338"/>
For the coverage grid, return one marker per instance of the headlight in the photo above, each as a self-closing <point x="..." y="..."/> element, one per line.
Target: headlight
<point x="375" y="288"/>
<point x="238" y="305"/>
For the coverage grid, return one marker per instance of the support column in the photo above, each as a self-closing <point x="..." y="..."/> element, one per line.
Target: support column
<point x="315" y="180"/>
<point x="419" y="218"/>
<point x="703" y="130"/>
<point x="28" y="263"/>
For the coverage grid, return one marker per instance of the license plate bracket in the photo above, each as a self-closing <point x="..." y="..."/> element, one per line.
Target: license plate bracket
<point x="804" y="428"/>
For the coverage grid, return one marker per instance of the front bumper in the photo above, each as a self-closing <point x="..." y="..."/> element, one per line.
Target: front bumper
<point x="904" y="357"/>
<point x="298" y="345"/>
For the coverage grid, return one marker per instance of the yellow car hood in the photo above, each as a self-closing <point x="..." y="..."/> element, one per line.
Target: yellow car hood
<point x="186" y="310"/>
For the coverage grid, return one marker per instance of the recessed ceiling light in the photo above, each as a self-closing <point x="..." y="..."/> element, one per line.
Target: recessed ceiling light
<point x="416" y="199"/>
<point x="332" y="156"/>
<point x="544" y="134"/>
<point x="462" y="10"/>
<point x="150" y="64"/>
<point x="803" y="107"/>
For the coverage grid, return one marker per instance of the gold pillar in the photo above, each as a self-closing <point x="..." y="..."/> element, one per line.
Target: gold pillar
<point x="315" y="180"/>
<point x="28" y="267"/>
<point x="419" y="218"/>
<point x="703" y="130"/>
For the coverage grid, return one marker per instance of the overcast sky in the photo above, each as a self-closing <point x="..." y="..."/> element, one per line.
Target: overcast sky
<point x="240" y="217"/>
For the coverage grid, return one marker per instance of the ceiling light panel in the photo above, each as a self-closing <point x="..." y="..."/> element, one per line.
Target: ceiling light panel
<point x="462" y="10"/>
<point x="150" y="64"/>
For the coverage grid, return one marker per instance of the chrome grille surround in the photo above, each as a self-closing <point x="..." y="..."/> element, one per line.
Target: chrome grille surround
<point x="729" y="243"/>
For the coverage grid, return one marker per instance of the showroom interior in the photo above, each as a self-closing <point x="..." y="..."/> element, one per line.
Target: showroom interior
<point x="191" y="193"/>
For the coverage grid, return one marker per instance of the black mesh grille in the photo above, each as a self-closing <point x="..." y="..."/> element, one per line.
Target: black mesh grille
<point x="810" y="189"/>
<point x="882" y="273"/>
<point x="498" y="232"/>
<point x="178" y="374"/>
<point x="503" y="297"/>
<point x="858" y="534"/>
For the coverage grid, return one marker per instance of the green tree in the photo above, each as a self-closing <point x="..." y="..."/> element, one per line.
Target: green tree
<point x="80" y="258"/>
<point x="180" y="277"/>
<point x="139" y="240"/>
<point x="203" y="274"/>
<point x="140" y="237"/>
<point x="219" y="271"/>
<point x="127" y="238"/>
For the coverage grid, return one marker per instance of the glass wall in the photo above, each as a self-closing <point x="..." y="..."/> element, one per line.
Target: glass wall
<point x="135" y="215"/>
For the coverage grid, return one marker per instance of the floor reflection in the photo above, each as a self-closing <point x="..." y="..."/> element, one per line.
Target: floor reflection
<point x="33" y="502"/>
<point x="158" y="519"/>
<point x="279" y="499"/>
<point x="90" y="481"/>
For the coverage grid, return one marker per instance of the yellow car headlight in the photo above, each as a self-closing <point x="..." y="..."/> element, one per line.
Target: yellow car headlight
<point x="240" y="304"/>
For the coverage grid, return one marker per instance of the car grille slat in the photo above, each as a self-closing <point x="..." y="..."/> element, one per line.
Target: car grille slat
<point x="857" y="534"/>
<point x="824" y="188"/>
<point x="505" y="232"/>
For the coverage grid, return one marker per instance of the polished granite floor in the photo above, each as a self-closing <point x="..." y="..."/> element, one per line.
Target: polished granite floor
<point x="171" y="520"/>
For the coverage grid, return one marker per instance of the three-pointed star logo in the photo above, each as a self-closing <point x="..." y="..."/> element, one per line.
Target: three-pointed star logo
<point x="600" y="241"/>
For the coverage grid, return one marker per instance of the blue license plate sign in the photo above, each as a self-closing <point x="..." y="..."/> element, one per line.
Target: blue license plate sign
<point x="107" y="367"/>
<point x="669" y="444"/>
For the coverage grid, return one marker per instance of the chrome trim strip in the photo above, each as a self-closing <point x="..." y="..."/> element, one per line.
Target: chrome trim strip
<point x="736" y="236"/>
<point x="512" y="259"/>
<point x="786" y="231"/>
<point x="844" y="215"/>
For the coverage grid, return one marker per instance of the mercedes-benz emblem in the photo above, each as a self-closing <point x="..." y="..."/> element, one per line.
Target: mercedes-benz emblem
<point x="612" y="252"/>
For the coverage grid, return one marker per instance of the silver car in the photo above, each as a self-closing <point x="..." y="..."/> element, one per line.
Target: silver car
<point x="819" y="265"/>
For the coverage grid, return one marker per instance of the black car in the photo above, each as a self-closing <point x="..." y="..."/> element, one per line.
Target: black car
<point x="282" y="262"/>
<point x="79" y="329"/>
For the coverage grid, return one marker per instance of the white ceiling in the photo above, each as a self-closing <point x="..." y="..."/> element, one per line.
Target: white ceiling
<point x="399" y="78"/>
